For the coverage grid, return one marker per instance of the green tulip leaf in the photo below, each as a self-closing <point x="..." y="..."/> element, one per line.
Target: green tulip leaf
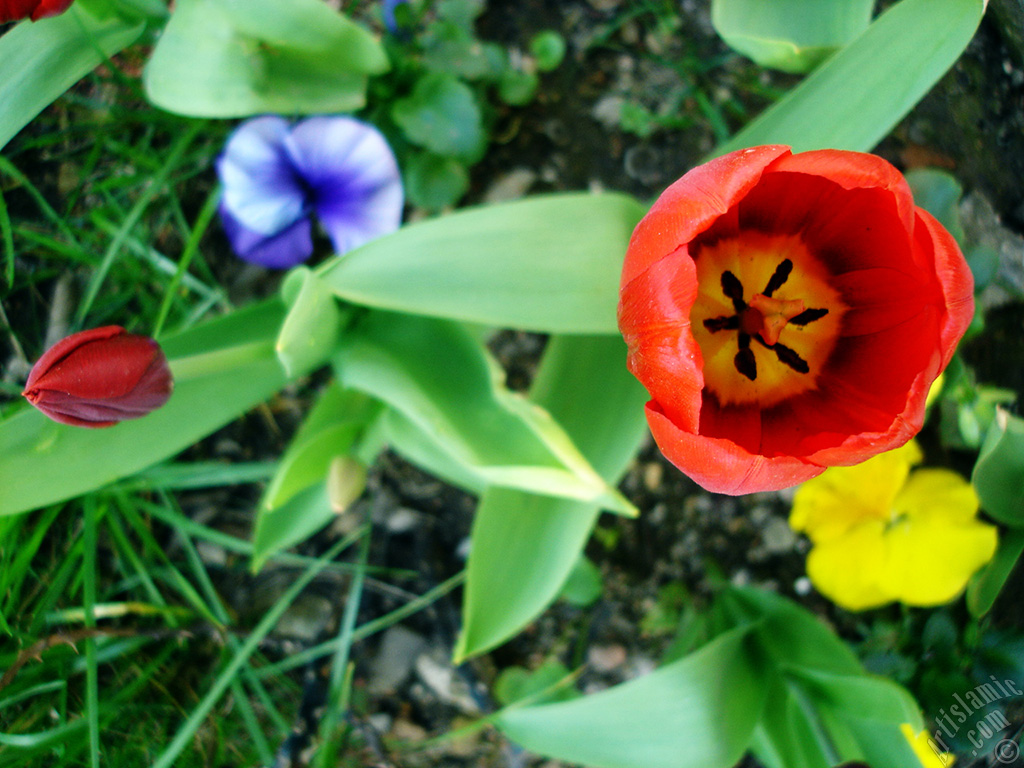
<point x="439" y="376"/>
<point x="310" y="330"/>
<point x="790" y="35"/>
<point x="698" y="712"/>
<point x="221" y="369"/>
<point x="549" y="263"/>
<point x="296" y="502"/>
<point x="441" y="115"/>
<point x="524" y="545"/>
<point x="42" y="59"/>
<point x="998" y="475"/>
<point x="856" y="97"/>
<point x="235" y="58"/>
<point x="986" y="585"/>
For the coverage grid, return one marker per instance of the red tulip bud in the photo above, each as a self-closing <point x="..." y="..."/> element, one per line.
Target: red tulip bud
<point x="99" y="377"/>
<point x="13" y="10"/>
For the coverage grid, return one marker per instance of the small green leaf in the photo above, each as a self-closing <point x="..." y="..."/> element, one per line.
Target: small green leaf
<point x="939" y="193"/>
<point x="515" y="684"/>
<point x="986" y="585"/>
<point x="517" y="88"/>
<point x="459" y="53"/>
<point x="584" y="585"/>
<point x="435" y="182"/>
<point x="999" y="472"/>
<point x="548" y="48"/>
<point x="441" y="115"/>
<point x="698" y="712"/>
<point x="790" y="35"/>
<point x="42" y="59"/>
<point x="310" y="330"/>
<point x="856" y="97"/>
<point x="548" y="263"/>
<point x="235" y="58"/>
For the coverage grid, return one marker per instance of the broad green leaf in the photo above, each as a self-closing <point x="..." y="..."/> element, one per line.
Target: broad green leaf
<point x="441" y="115"/>
<point x="549" y="263"/>
<point x="423" y="449"/>
<point x="440" y="377"/>
<point x="310" y="330"/>
<point x="296" y="503"/>
<point x="42" y="59"/>
<point x="985" y="586"/>
<point x="221" y="369"/>
<point x="855" y="98"/>
<point x="524" y="545"/>
<point x="821" y="698"/>
<point x="790" y="35"/>
<point x="234" y="58"/>
<point x="998" y="475"/>
<point x="698" y="712"/>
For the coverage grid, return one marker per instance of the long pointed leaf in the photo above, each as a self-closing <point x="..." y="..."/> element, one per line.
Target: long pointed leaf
<point x="856" y="97"/>
<point x="548" y="263"/>
<point x="524" y="545"/>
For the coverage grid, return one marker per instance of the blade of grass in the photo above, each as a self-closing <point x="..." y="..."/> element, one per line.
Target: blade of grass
<point x="337" y="696"/>
<point x="191" y="249"/>
<point x="156" y="185"/>
<point x="241" y="698"/>
<point x="92" y="696"/>
<point x="8" y="240"/>
<point x="366" y="630"/>
<point x="185" y="733"/>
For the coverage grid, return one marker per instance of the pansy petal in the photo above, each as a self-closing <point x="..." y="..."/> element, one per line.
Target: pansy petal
<point x="693" y="203"/>
<point x="843" y="497"/>
<point x="354" y="177"/>
<point x="846" y="569"/>
<point x="929" y="561"/>
<point x="282" y="250"/>
<point x="262" y="190"/>
<point x="937" y="494"/>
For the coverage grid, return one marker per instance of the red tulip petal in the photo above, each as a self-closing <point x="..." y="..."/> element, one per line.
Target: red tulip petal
<point x="692" y="204"/>
<point x="854" y="170"/>
<point x="721" y="466"/>
<point x="954" y="277"/>
<point x="48" y="8"/>
<point x="66" y="346"/>
<point x="654" y="316"/>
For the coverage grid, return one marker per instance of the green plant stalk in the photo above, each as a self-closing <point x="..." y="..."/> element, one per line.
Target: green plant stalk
<point x="221" y="360"/>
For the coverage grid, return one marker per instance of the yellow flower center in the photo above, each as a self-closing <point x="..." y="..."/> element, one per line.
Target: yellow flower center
<point x="766" y="317"/>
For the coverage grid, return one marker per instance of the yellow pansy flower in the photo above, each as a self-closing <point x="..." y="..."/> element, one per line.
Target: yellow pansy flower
<point x="882" y="532"/>
<point x="923" y="749"/>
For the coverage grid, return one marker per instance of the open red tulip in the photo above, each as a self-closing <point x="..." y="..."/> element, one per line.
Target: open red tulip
<point x="13" y="10"/>
<point x="99" y="377"/>
<point x="787" y="313"/>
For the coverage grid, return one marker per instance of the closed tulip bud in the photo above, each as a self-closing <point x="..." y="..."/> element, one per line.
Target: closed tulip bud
<point x="99" y="377"/>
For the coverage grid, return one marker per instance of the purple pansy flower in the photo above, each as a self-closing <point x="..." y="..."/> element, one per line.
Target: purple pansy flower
<point x="276" y="175"/>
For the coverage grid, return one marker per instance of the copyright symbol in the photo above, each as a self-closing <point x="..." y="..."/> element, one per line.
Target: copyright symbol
<point x="1006" y="751"/>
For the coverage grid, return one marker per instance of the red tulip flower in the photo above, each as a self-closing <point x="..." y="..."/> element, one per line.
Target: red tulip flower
<point x="788" y="313"/>
<point x="13" y="10"/>
<point x="100" y="377"/>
